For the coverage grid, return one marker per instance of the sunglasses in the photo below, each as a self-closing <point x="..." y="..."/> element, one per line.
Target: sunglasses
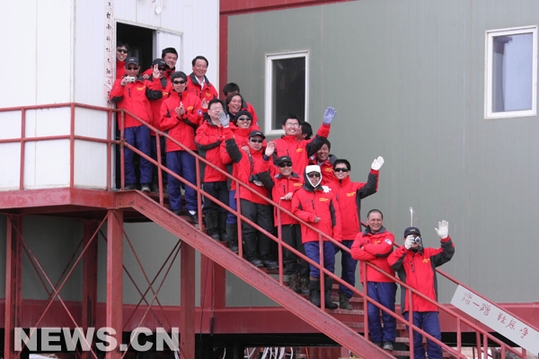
<point x="256" y="141"/>
<point x="163" y="68"/>
<point x="244" y="119"/>
<point x="122" y="50"/>
<point x="286" y="164"/>
<point x="179" y="82"/>
<point x="312" y="175"/>
<point x="341" y="169"/>
<point x="132" y="68"/>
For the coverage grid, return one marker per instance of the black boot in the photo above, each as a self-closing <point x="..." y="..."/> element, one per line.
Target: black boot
<point x="222" y="225"/>
<point x="232" y="237"/>
<point x="328" y="283"/>
<point x="314" y="291"/>
<point x="212" y="224"/>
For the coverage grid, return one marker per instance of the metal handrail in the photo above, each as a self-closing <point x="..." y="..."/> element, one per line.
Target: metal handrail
<point x="278" y="239"/>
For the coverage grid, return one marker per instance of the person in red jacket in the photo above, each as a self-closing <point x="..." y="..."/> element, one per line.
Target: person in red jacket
<point x="374" y="246"/>
<point x="241" y="127"/>
<point x="416" y="266"/>
<point x="198" y="84"/>
<point x="246" y="162"/>
<point x="208" y="139"/>
<point x="181" y="114"/>
<point x="349" y="195"/>
<point x="232" y="88"/>
<point x="282" y="186"/>
<point x="325" y="160"/>
<point x="133" y="94"/>
<point x="300" y="151"/>
<point x="317" y="206"/>
<point x="170" y="56"/>
<point x="122" y="50"/>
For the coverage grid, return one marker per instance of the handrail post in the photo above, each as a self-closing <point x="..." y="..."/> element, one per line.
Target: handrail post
<point x="122" y="150"/>
<point x="411" y="322"/>
<point x="23" y="146"/>
<point x="321" y="270"/>
<point x="238" y="209"/>
<point x="159" y="172"/>
<point x="365" y="301"/>
<point x="280" y="245"/>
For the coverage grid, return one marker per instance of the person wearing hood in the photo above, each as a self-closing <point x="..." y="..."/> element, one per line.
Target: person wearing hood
<point x="300" y="151"/>
<point x="317" y="206"/>
<point x="282" y="186"/>
<point x="247" y="161"/>
<point x="416" y="266"/>
<point x="240" y="132"/>
<point x="181" y="114"/>
<point x="349" y="195"/>
<point x="374" y="246"/>
<point x="325" y="160"/>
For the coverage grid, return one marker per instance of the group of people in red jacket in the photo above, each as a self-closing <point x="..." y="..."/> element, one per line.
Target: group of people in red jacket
<point x="295" y="171"/>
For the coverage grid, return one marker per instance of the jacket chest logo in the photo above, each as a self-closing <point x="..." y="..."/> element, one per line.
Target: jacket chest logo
<point x="299" y="150"/>
<point x="377" y="242"/>
<point x="328" y="169"/>
<point x="351" y="194"/>
<point x="323" y="199"/>
<point x="298" y="184"/>
<point x="426" y="260"/>
<point x="141" y="88"/>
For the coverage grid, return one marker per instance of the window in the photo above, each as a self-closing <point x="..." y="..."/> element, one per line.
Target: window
<point x="511" y="73"/>
<point x="286" y="88"/>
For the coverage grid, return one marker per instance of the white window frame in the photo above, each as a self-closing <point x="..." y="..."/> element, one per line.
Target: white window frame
<point x="489" y="41"/>
<point x="268" y="112"/>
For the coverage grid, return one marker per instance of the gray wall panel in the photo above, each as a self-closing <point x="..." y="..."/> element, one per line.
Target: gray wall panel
<point x="407" y="80"/>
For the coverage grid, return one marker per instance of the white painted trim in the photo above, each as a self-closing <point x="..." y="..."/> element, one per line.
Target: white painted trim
<point x="489" y="40"/>
<point x="268" y="87"/>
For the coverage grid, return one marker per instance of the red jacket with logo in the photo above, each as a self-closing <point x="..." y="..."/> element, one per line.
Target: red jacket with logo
<point x="182" y="128"/>
<point x="374" y="248"/>
<point x="166" y="88"/>
<point x="418" y="270"/>
<point x="349" y="195"/>
<point x="300" y="151"/>
<point x="208" y="139"/>
<point x="135" y="97"/>
<point x="280" y="186"/>
<point x="208" y="92"/>
<point x="309" y="203"/>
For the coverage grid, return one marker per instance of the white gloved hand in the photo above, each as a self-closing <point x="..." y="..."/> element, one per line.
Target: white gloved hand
<point x="409" y="242"/>
<point x="326" y="189"/>
<point x="224" y="119"/>
<point x="377" y="163"/>
<point x="443" y="229"/>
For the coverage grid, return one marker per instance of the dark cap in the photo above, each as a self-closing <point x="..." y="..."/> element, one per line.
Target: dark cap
<point x="131" y="60"/>
<point x="411" y="230"/>
<point x="243" y="113"/>
<point x="256" y="133"/>
<point x="159" y="62"/>
<point x="283" y="159"/>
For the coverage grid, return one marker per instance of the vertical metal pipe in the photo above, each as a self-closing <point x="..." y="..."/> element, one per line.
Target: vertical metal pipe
<point x="114" y="279"/>
<point x="187" y="325"/>
<point x="89" y="280"/>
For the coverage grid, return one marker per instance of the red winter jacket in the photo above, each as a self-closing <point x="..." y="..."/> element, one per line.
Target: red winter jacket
<point x="244" y="166"/>
<point x="349" y="195"/>
<point x="208" y="138"/>
<point x="208" y="92"/>
<point x="374" y="248"/>
<point x="280" y="186"/>
<point x="166" y="88"/>
<point x="120" y="69"/>
<point x="181" y="129"/>
<point x="417" y="269"/>
<point x="300" y="151"/>
<point x="135" y="97"/>
<point x="309" y="203"/>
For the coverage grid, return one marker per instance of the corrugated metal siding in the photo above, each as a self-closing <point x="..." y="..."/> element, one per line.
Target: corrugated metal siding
<point x="406" y="78"/>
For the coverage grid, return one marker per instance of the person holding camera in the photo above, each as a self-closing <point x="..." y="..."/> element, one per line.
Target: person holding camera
<point x="416" y="266"/>
<point x="247" y="162"/>
<point x="374" y="245"/>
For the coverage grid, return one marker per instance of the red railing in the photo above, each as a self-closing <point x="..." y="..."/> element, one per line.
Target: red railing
<point x="198" y="187"/>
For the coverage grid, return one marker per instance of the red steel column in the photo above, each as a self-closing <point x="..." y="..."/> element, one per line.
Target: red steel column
<point x="114" y="279"/>
<point x="89" y="281"/>
<point x="187" y="325"/>
<point x="13" y="284"/>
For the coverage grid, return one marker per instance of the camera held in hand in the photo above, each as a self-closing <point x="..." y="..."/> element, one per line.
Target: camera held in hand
<point x="417" y="240"/>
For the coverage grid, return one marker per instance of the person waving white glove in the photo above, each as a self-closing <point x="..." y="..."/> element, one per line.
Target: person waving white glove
<point x="377" y="163"/>
<point x="224" y="119"/>
<point x="443" y="229"/>
<point x="409" y="242"/>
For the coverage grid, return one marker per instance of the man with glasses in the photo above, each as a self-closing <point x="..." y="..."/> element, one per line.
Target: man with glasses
<point x="246" y="164"/>
<point x="349" y="195"/>
<point x="282" y="186"/>
<point x="122" y="49"/>
<point x="318" y="206"/>
<point x="198" y="84"/>
<point x="170" y="56"/>
<point x="300" y="151"/>
<point x="181" y="113"/>
<point x="374" y="245"/>
<point x="133" y="94"/>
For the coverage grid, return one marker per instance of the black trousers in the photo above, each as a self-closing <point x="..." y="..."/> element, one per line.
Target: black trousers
<point x="256" y="244"/>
